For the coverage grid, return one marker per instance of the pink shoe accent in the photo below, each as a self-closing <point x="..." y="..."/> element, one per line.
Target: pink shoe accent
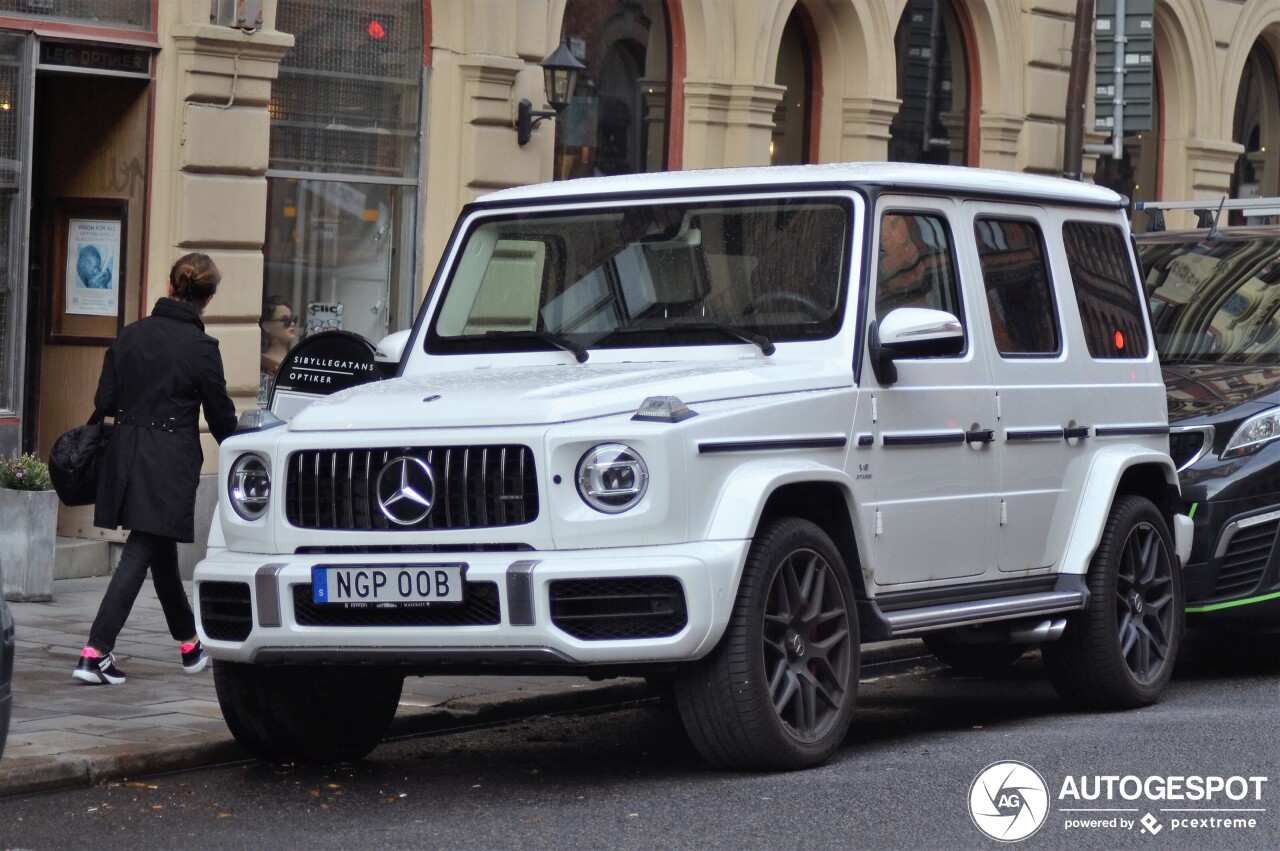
<point x="91" y="653"/>
<point x="189" y="646"/>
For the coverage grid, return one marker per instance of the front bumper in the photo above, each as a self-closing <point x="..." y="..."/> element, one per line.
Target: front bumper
<point x="257" y="608"/>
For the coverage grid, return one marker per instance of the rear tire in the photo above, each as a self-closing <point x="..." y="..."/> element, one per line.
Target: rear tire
<point x="1119" y="651"/>
<point x="307" y="713"/>
<point x="778" y="691"/>
<point x="977" y="659"/>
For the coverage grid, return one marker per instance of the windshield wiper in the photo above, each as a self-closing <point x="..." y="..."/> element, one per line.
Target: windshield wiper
<point x="579" y="353"/>
<point x="759" y="340"/>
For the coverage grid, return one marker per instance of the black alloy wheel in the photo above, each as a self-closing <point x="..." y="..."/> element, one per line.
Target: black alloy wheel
<point x="1144" y="600"/>
<point x="806" y="645"/>
<point x="1119" y="651"/>
<point x="778" y="691"/>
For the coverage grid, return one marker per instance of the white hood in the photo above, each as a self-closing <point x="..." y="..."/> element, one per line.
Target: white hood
<point x="543" y="395"/>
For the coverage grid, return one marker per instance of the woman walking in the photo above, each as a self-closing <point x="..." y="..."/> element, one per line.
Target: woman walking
<point x="155" y="376"/>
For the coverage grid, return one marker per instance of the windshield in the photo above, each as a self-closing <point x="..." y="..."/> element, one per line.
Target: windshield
<point x="653" y="274"/>
<point x="1215" y="301"/>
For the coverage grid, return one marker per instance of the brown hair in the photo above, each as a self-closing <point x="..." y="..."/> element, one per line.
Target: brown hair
<point x="269" y="305"/>
<point x="194" y="277"/>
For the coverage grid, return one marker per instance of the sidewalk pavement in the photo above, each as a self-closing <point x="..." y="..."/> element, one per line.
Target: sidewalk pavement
<point x="66" y="734"/>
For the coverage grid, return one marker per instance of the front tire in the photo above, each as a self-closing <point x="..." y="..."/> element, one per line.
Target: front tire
<point x="778" y="691"/>
<point x="1119" y="651"/>
<point x="313" y="714"/>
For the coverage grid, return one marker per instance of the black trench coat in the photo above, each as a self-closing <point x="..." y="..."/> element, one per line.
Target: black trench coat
<point x="160" y="367"/>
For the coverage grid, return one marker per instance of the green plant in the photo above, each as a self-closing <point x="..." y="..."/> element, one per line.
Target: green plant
<point x="24" y="472"/>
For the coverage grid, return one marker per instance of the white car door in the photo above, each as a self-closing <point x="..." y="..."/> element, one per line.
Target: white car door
<point x="929" y="433"/>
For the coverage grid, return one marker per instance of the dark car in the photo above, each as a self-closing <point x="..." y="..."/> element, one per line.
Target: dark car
<point x="6" y="671"/>
<point x="1215" y="307"/>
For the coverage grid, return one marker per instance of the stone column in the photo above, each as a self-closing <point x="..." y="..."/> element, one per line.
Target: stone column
<point x="998" y="138"/>
<point x="209" y="190"/>
<point x="471" y="138"/>
<point x="728" y="123"/>
<point x="1205" y="172"/>
<point x="210" y="147"/>
<point x="864" y="128"/>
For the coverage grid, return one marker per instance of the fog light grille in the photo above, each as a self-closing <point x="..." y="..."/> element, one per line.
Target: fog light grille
<point x="226" y="610"/>
<point x="630" y="607"/>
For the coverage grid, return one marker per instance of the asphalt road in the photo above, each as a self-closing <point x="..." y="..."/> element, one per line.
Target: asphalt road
<point x="628" y="778"/>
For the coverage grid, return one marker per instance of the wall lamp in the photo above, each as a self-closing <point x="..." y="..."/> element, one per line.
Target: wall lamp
<point x="560" y="72"/>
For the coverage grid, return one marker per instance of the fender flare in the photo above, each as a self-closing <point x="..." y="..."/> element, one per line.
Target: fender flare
<point x="1094" y="506"/>
<point x="745" y="492"/>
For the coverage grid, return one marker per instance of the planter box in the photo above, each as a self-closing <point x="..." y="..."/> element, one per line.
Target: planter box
<point x="28" y="528"/>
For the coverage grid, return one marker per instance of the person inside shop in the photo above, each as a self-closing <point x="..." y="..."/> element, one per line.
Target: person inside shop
<point x="279" y="328"/>
<point x="155" y="378"/>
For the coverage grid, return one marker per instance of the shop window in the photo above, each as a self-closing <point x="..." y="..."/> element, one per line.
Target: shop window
<point x="13" y="207"/>
<point x="133" y="14"/>
<point x="933" y="121"/>
<point x="344" y="169"/>
<point x="617" y="122"/>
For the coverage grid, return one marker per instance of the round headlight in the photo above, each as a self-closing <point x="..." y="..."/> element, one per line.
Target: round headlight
<point x="612" y="478"/>
<point x="249" y="486"/>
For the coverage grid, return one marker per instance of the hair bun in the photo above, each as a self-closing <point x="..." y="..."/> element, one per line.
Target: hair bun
<point x="194" y="277"/>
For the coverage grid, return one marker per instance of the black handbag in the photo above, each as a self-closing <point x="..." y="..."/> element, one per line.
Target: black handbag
<point x="74" y="460"/>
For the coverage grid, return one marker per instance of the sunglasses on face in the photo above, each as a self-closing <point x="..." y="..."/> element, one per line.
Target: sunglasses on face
<point x="286" y="321"/>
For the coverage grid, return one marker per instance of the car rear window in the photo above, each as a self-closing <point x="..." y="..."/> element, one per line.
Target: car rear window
<point x="1214" y="300"/>
<point x="1107" y="293"/>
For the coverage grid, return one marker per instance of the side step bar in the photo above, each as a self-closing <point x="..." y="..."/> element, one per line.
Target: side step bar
<point x="913" y="621"/>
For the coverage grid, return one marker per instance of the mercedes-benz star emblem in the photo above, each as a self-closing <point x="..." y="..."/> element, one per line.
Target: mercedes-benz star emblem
<point x="406" y="490"/>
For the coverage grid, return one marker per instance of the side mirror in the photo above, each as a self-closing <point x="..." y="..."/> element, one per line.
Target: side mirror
<point x="389" y="351"/>
<point x="912" y="332"/>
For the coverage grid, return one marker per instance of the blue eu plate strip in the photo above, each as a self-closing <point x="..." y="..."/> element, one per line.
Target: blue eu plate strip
<point x="320" y="585"/>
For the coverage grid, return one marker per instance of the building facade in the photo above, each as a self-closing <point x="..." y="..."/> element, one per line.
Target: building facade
<point x="321" y="151"/>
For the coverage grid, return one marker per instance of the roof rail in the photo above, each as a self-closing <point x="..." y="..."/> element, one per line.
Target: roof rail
<point x="1207" y="210"/>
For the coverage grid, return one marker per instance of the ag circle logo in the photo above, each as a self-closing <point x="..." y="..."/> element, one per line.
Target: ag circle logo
<point x="1008" y="801"/>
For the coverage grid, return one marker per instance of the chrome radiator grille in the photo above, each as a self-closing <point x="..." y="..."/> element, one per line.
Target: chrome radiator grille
<point x="475" y="487"/>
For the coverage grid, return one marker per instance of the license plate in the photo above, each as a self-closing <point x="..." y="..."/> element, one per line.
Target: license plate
<point x="362" y="585"/>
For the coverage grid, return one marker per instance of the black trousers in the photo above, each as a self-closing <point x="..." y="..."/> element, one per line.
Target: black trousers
<point x="143" y="550"/>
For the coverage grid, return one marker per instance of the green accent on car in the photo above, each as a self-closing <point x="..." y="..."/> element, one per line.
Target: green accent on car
<point x="1192" y="512"/>
<point x="1213" y="607"/>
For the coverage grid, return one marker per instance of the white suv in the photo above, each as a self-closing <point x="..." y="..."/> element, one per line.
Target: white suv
<point x="721" y="428"/>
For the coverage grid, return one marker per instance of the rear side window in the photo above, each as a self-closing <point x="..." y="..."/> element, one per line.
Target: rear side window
<point x="1106" y="290"/>
<point x="1019" y="292"/>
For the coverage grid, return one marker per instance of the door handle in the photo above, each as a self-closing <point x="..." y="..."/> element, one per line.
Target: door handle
<point x="980" y="435"/>
<point x="1075" y="432"/>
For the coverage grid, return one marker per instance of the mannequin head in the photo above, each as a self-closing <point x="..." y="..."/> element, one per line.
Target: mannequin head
<point x="279" y="325"/>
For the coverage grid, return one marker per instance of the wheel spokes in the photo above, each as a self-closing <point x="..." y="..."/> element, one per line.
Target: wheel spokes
<point x="1144" y="594"/>
<point x="807" y="635"/>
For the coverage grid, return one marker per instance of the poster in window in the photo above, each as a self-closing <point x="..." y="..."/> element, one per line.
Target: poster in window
<point x="93" y="267"/>
<point x="86" y="270"/>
